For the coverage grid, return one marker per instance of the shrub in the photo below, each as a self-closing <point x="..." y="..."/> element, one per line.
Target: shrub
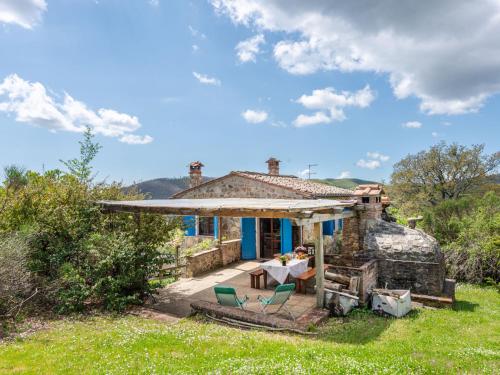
<point x="469" y="231"/>
<point x="80" y="255"/>
<point x="85" y="256"/>
<point x="16" y="281"/>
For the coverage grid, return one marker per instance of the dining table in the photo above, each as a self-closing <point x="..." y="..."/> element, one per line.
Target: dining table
<point x="276" y="270"/>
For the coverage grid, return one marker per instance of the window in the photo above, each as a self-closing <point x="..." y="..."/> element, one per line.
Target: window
<point x="365" y="199"/>
<point x="205" y="226"/>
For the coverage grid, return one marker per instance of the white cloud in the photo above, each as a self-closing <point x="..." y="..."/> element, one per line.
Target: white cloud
<point x="344" y="174"/>
<point x="377" y="155"/>
<point x="278" y="124"/>
<point x="370" y="164"/>
<point x="249" y="48"/>
<point x="254" y="116"/>
<point x="435" y="134"/>
<point x="446" y="123"/>
<point x="425" y="50"/>
<point x="196" y="33"/>
<point x="206" y="80"/>
<point x="195" y="47"/>
<point x="412" y="125"/>
<point x="315" y="119"/>
<point x="154" y="3"/>
<point x="331" y="104"/>
<point x="25" y="13"/>
<point x="31" y="103"/>
<point x="133" y="139"/>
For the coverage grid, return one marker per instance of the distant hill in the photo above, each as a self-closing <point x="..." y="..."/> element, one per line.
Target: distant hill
<point x="346" y="183"/>
<point x="162" y="188"/>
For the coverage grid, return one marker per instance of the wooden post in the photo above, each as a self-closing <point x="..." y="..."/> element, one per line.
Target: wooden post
<point x="319" y="262"/>
<point x="177" y="268"/>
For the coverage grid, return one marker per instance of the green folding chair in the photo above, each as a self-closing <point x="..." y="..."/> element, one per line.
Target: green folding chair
<point x="281" y="295"/>
<point x="226" y="296"/>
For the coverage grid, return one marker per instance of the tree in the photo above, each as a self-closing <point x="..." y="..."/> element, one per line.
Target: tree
<point x="15" y="177"/>
<point x="81" y="168"/>
<point x="443" y="172"/>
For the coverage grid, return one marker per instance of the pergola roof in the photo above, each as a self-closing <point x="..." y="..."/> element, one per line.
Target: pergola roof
<point x="232" y="207"/>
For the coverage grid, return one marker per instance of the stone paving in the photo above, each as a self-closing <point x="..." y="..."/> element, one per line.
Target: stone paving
<point x="175" y="299"/>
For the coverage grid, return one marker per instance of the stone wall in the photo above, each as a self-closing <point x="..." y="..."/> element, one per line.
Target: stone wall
<point x="240" y="187"/>
<point x="408" y="258"/>
<point x="213" y="259"/>
<point x="231" y="228"/>
<point x="355" y="228"/>
<point x="230" y="251"/>
<point x="390" y="240"/>
<point x="419" y="277"/>
<point x="350" y="236"/>
<point x="203" y="261"/>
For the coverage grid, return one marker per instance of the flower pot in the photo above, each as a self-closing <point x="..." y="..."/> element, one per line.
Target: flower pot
<point x="283" y="263"/>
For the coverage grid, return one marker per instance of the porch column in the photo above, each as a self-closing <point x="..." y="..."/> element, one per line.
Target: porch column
<point x="319" y="262"/>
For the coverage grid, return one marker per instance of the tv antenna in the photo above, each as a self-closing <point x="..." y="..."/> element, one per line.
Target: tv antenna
<point x="309" y="173"/>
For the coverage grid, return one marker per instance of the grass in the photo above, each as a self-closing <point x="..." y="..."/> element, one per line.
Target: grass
<point x="463" y="340"/>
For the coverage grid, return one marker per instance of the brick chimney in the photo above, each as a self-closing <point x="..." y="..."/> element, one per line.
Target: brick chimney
<point x="368" y="208"/>
<point x="273" y="166"/>
<point x="195" y="177"/>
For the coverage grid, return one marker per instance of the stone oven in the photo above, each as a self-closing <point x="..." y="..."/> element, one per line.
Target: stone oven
<point x="386" y="254"/>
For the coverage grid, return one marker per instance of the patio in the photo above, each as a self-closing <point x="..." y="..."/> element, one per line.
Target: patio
<point x="175" y="299"/>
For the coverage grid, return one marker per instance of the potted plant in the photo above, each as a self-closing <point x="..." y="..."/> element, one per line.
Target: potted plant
<point x="283" y="259"/>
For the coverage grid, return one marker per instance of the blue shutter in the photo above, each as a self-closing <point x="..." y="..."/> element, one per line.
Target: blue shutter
<point x="286" y="236"/>
<point x="216" y="227"/>
<point x="341" y="223"/>
<point x="328" y="227"/>
<point x="189" y="225"/>
<point x="248" y="243"/>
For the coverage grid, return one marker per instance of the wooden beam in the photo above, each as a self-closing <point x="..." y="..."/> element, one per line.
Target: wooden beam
<point x="315" y="219"/>
<point x="319" y="264"/>
<point x="271" y="214"/>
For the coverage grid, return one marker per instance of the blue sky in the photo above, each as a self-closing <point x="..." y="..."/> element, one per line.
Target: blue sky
<point x="163" y="83"/>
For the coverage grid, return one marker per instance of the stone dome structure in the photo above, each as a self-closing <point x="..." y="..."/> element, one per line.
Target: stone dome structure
<point x="390" y="240"/>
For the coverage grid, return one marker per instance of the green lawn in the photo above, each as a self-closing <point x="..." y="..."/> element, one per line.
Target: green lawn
<point x="466" y="339"/>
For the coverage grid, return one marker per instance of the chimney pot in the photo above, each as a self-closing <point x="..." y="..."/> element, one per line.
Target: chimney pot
<point x="195" y="177"/>
<point x="273" y="166"/>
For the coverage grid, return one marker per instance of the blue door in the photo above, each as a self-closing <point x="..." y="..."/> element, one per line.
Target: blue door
<point x="189" y="225"/>
<point x="286" y="236"/>
<point x="248" y="244"/>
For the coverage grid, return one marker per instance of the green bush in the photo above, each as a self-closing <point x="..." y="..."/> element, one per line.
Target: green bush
<point x="83" y="256"/>
<point x="468" y="230"/>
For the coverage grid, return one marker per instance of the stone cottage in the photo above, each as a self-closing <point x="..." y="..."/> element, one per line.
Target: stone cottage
<point x="260" y="238"/>
<point x="387" y="254"/>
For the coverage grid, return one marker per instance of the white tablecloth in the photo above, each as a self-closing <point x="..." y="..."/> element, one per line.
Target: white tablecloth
<point x="294" y="267"/>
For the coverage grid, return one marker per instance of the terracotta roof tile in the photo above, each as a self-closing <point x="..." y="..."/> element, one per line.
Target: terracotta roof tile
<point x="316" y="189"/>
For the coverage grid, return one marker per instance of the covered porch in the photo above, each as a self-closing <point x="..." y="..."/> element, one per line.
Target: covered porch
<point x="299" y="212"/>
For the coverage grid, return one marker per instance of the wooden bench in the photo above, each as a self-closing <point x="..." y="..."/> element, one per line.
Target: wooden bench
<point x="305" y="277"/>
<point x="255" y="278"/>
